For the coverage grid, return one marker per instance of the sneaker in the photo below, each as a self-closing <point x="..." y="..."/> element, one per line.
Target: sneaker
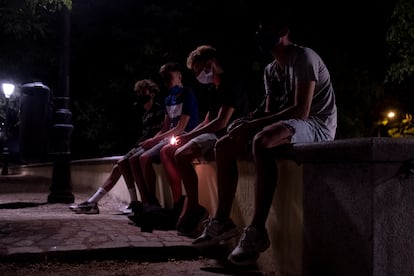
<point x="90" y="208"/>
<point x="215" y="232"/>
<point x="251" y="244"/>
<point x="134" y="206"/>
<point x="191" y="223"/>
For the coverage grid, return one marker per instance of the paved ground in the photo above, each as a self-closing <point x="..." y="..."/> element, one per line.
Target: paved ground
<point x="33" y="231"/>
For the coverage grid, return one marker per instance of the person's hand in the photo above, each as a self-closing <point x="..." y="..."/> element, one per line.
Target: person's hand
<point x="181" y="140"/>
<point x="149" y="143"/>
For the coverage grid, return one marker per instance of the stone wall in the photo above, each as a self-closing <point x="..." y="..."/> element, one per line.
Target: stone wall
<point x="358" y="207"/>
<point x="344" y="207"/>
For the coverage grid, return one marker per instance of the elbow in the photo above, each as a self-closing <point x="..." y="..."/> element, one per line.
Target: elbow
<point x="302" y="115"/>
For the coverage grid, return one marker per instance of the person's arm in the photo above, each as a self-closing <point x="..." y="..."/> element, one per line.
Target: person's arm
<point x="165" y="126"/>
<point x="152" y="124"/>
<point x="301" y="107"/>
<point x="299" y="110"/>
<point x="184" y="138"/>
<point x="177" y="130"/>
<point x="148" y="143"/>
<point x="218" y="123"/>
<point x="203" y="123"/>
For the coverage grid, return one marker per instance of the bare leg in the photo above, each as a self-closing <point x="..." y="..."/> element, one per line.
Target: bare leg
<point x="266" y="169"/>
<point x="227" y="174"/>
<point x="112" y="179"/>
<point x="171" y="171"/>
<point x="126" y="172"/>
<point x="149" y="176"/>
<point x="135" y="166"/>
<point x="107" y="186"/>
<point x="184" y="157"/>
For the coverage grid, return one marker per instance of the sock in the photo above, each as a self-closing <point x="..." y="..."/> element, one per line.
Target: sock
<point x="133" y="194"/>
<point x="100" y="193"/>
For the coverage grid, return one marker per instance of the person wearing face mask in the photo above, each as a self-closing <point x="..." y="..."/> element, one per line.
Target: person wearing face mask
<point x="181" y="116"/>
<point x="301" y="108"/>
<point x="226" y="100"/>
<point x="152" y="120"/>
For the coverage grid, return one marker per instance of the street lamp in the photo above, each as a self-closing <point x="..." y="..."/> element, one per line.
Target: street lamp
<point x="390" y="114"/>
<point x="8" y="89"/>
<point x="387" y="118"/>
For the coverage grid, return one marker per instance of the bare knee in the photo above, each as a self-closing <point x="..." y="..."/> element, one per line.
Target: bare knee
<point x="122" y="163"/>
<point x="271" y="137"/>
<point x="134" y="161"/>
<point x="167" y="153"/>
<point x="187" y="154"/>
<point x="144" y="160"/>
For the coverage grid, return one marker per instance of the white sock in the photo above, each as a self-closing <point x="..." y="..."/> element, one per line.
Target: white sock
<point x="133" y="194"/>
<point x="100" y="193"/>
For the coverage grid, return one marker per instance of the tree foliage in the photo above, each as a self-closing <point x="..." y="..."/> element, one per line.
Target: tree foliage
<point x="115" y="43"/>
<point x="400" y="38"/>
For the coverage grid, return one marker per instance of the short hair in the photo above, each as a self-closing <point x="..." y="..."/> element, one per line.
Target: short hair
<point x="146" y="84"/>
<point x="170" y="67"/>
<point x="201" y="54"/>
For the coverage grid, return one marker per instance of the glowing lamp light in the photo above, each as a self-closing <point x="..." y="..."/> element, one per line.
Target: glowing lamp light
<point x="390" y="114"/>
<point x="173" y="140"/>
<point x="8" y="89"/>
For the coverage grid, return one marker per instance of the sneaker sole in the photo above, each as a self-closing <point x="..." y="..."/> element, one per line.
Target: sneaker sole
<point x="244" y="263"/>
<point x="87" y="212"/>
<point x="231" y="259"/>
<point x="126" y="212"/>
<point x="218" y="239"/>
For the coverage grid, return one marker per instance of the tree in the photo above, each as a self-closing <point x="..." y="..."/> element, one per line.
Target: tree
<point x="400" y="39"/>
<point x="399" y="76"/>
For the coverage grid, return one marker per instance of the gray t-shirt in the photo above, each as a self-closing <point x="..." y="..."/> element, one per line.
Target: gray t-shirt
<point x="304" y="65"/>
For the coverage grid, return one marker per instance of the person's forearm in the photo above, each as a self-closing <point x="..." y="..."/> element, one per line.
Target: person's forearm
<point x="212" y="126"/>
<point x="289" y="113"/>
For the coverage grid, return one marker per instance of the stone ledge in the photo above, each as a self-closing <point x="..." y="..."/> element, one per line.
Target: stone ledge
<point x="355" y="150"/>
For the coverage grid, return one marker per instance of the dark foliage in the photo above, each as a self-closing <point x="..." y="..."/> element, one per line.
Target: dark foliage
<point x="115" y="43"/>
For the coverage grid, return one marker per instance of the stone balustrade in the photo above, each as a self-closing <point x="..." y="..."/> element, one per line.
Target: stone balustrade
<point x="344" y="207"/>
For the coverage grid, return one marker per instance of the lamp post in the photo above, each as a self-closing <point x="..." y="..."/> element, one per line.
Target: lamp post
<point x="8" y="90"/>
<point x="61" y="188"/>
<point x="386" y="120"/>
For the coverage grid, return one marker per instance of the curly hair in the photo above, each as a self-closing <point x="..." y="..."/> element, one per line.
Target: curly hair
<point x="146" y="84"/>
<point x="201" y="54"/>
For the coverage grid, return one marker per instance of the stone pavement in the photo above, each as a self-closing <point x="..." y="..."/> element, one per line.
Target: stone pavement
<point x="31" y="228"/>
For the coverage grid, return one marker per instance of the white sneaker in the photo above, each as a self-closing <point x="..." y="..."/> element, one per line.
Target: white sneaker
<point x="86" y="207"/>
<point x="134" y="206"/>
<point x="215" y="232"/>
<point x="251" y="244"/>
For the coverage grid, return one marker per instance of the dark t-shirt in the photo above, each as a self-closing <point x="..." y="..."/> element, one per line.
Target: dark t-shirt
<point x="152" y="121"/>
<point x="229" y="93"/>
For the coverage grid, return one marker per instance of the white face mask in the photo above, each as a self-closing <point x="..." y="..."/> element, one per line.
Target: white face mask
<point x="205" y="78"/>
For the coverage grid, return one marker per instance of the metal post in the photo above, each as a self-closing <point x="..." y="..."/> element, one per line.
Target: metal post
<point x="61" y="188"/>
<point x="5" y="169"/>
